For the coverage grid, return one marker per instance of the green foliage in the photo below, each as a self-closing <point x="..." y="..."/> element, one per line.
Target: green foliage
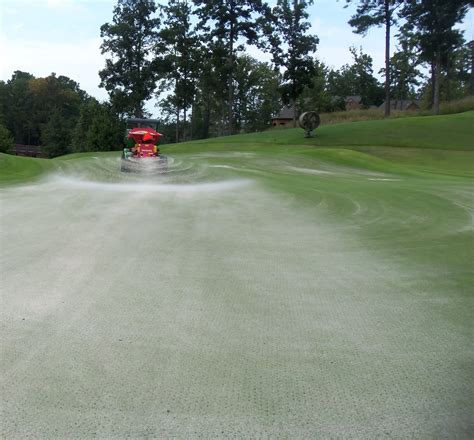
<point x="56" y="135"/>
<point x="377" y="13"/>
<point x="317" y="96"/>
<point x="454" y="77"/>
<point x="457" y="106"/>
<point x="357" y="79"/>
<point x="432" y="22"/>
<point x="256" y="99"/>
<point x="223" y="24"/>
<point x="18" y="108"/>
<point x="6" y="139"/>
<point x="181" y="55"/>
<point x="373" y="13"/>
<point x="292" y="47"/>
<point x="404" y="73"/>
<point x="129" y="76"/>
<point x="97" y="129"/>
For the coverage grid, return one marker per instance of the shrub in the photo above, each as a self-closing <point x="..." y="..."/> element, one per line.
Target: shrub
<point x="6" y="139"/>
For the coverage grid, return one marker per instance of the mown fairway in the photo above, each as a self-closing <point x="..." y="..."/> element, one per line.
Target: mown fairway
<point x="266" y="286"/>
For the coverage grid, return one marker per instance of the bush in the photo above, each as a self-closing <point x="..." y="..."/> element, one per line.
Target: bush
<point x="6" y="139"/>
<point x="458" y="106"/>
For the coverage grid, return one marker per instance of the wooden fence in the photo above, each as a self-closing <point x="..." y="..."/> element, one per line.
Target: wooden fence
<point x="27" y="150"/>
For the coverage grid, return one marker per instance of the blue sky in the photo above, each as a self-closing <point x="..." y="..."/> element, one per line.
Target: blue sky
<point x="63" y="36"/>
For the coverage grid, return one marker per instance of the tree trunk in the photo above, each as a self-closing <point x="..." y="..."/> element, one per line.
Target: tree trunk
<point x="387" y="58"/>
<point x="191" y="125"/>
<point x="471" y="82"/>
<point x="177" y="124"/>
<point x="294" y="112"/>
<point x="231" y="69"/>
<point x="184" y="123"/>
<point x="448" y="80"/>
<point x="433" y="81"/>
<point x="207" y="116"/>
<point x="436" y="84"/>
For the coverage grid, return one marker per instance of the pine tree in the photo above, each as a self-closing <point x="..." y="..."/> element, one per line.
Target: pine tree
<point x="404" y="73"/>
<point x="230" y="21"/>
<point x="179" y="47"/>
<point x="129" y="74"/>
<point x="292" y="47"/>
<point x="377" y="13"/>
<point x="432" y="23"/>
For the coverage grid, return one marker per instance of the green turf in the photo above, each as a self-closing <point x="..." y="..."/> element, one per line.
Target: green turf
<point x="452" y="132"/>
<point x="267" y="286"/>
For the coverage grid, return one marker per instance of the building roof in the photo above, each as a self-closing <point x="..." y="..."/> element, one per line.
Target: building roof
<point x="285" y="113"/>
<point x="401" y="104"/>
<point x="356" y="98"/>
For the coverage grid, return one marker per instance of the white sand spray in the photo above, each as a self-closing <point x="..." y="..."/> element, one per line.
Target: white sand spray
<point x="214" y="310"/>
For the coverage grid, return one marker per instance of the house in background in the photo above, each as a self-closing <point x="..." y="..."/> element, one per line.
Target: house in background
<point x="284" y="118"/>
<point x="353" y="102"/>
<point x="411" y="105"/>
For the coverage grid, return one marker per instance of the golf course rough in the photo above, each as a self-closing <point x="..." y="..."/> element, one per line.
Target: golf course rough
<point x="252" y="291"/>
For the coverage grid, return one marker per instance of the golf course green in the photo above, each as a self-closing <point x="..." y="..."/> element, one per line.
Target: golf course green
<point x="263" y="286"/>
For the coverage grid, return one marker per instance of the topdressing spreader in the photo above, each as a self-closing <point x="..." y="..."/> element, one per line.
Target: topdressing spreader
<point x="142" y="152"/>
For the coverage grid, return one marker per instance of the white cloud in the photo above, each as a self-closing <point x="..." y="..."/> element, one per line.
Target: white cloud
<point x="80" y="61"/>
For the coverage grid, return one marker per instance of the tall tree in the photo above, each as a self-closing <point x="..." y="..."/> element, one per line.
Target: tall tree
<point x="471" y="77"/>
<point x="404" y="73"/>
<point x="432" y="22"/>
<point x="377" y="13"/>
<point x="256" y="96"/>
<point x="228" y="22"/>
<point x="97" y="128"/>
<point x="129" y="74"/>
<point x="210" y="110"/>
<point x="318" y="97"/>
<point x="292" y="48"/>
<point x="18" y="108"/>
<point x="179" y="48"/>
<point x="6" y="139"/>
<point x="357" y="79"/>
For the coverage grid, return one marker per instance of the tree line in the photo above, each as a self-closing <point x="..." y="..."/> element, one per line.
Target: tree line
<point x="190" y="57"/>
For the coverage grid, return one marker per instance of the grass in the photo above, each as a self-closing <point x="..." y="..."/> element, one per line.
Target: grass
<point x="16" y="169"/>
<point x="267" y="286"/>
<point x="453" y="132"/>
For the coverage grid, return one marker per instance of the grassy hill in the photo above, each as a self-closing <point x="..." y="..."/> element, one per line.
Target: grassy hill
<point x="266" y="285"/>
<point x="453" y="132"/>
<point x="440" y="145"/>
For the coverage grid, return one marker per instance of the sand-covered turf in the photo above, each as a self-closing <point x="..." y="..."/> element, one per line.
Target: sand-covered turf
<point x="291" y="292"/>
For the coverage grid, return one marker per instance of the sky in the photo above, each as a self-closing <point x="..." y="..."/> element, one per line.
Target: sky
<point x="63" y="36"/>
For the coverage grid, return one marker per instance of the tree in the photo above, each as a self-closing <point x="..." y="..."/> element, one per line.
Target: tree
<point x="230" y="20"/>
<point x="377" y="13"/>
<point x="6" y="139"/>
<point x="210" y="110"/>
<point x="291" y="48"/>
<point x="256" y="94"/>
<point x="18" y="110"/>
<point x="471" y="77"/>
<point x="432" y="22"/>
<point x="454" y="77"/>
<point x="318" y="96"/>
<point x="56" y="135"/>
<point x="357" y="79"/>
<point x="129" y="76"/>
<point x="97" y="129"/>
<point x="404" y="73"/>
<point x="179" y="48"/>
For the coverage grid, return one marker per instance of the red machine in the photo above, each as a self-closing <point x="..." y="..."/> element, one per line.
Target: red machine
<point x="142" y="151"/>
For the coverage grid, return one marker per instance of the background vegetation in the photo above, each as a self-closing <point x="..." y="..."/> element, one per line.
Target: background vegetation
<point x="190" y="57"/>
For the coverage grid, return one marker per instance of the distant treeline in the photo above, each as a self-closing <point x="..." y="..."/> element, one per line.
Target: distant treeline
<point x="190" y="57"/>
